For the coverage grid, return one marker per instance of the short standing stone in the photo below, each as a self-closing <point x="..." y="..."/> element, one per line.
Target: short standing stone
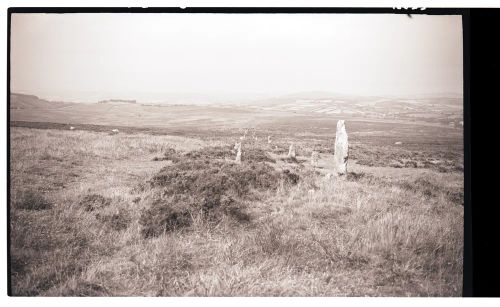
<point x="238" y="153"/>
<point x="291" y="151"/>
<point x="341" y="149"/>
<point x="269" y="139"/>
<point x="314" y="158"/>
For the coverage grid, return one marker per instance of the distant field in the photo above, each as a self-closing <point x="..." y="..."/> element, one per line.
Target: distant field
<point x="164" y="211"/>
<point x="372" y="143"/>
<point x="436" y="112"/>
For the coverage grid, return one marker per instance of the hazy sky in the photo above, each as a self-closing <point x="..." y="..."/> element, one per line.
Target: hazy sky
<point x="83" y="56"/>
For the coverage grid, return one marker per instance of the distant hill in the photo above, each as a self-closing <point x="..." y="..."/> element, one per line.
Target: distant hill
<point x="321" y="95"/>
<point x="22" y="101"/>
<point x="427" y="109"/>
<point x="118" y="101"/>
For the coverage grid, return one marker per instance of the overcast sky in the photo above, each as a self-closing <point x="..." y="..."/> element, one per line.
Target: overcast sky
<point x="143" y="56"/>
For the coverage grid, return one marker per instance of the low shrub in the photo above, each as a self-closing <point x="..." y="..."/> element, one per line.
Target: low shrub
<point x="290" y="178"/>
<point x="257" y="155"/>
<point x="169" y="154"/>
<point x="162" y="216"/>
<point x="290" y="160"/>
<point x="210" y="189"/>
<point x="215" y="152"/>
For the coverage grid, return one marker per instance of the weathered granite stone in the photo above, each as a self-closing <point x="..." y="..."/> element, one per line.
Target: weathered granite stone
<point x="341" y="154"/>
<point x="291" y="151"/>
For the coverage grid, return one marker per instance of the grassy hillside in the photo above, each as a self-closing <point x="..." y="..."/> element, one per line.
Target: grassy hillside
<point x="31" y="102"/>
<point x="143" y="214"/>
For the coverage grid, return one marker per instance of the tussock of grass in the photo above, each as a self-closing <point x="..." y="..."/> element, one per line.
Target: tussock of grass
<point x="353" y="176"/>
<point x="118" y="220"/>
<point x="91" y="202"/>
<point x="31" y="200"/>
<point x="164" y="215"/>
<point x="48" y="249"/>
<point x="169" y="154"/>
<point x="290" y="177"/>
<point x="432" y="188"/>
<point x="290" y="160"/>
<point x="86" y="289"/>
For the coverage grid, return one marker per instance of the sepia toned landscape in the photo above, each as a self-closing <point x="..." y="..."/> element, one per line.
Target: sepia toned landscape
<point x="183" y="154"/>
<point x="161" y="208"/>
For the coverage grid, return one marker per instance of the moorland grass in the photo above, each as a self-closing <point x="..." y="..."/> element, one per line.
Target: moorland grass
<point x="376" y="232"/>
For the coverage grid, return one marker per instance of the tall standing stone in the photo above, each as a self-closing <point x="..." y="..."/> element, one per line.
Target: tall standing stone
<point x="291" y="151"/>
<point x="341" y="154"/>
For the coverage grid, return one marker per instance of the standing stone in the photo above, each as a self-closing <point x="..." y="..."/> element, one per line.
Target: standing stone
<point x="341" y="149"/>
<point x="269" y="139"/>
<point x="291" y="151"/>
<point x="238" y="153"/>
<point x="314" y="158"/>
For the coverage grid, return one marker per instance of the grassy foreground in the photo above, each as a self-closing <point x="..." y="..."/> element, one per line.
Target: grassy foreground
<point x="94" y="214"/>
